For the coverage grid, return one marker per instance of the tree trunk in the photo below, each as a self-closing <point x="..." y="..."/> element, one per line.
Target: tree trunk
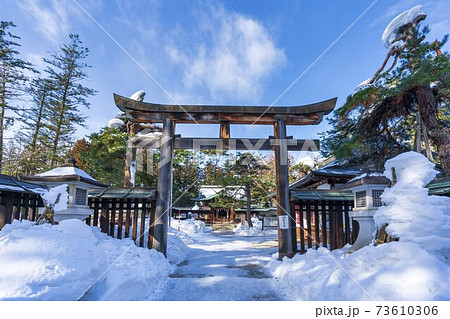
<point x="248" y="195"/>
<point x="439" y="134"/>
<point x="2" y="118"/>
<point x="38" y="121"/>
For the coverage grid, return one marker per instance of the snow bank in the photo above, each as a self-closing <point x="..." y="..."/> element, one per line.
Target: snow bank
<point x="176" y="247"/>
<point x="391" y="33"/>
<point x="191" y="226"/>
<point x="394" y="271"/>
<point x="256" y="230"/>
<point x="60" y="262"/>
<point x="415" y="268"/>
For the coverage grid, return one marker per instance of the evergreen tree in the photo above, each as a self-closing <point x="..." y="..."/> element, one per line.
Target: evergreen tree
<point x="66" y="71"/>
<point x="35" y="121"/>
<point x="12" y="76"/>
<point x="242" y="175"/>
<point x="187" y="176"/>
<point x="392" y="110"/>
<point x="104" y="156"/>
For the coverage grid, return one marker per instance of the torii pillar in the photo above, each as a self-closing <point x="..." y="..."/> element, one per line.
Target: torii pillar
<point x="164" y="189"/>
<point x="287" y="241"/>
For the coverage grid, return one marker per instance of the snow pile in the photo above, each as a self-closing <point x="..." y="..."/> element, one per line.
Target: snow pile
<point x="392" y="31"/>
<point x="191" y="226"/>
<point x="60" y="262"/>
<point x="138" y="96"/>
<point x="56" y="197"/>
<point x="176" y="247"/>
<point x="411" y="214"/>
<point x="394" y="271"/>
<point x="256" y="230"/>
<point x="414" y="268"/>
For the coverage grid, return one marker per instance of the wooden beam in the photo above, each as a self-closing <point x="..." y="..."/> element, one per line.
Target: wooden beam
<point x="164" y="190"/>
<point x="215" y="114"/>
<point x="286" y="246"/>
<point x="239" y="144"/>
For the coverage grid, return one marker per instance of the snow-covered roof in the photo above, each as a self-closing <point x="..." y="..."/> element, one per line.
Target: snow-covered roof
<point x="211" y="191"/>
<point x="68" y="173"/>
<point x="392" y="31"/>
<point x="11" y="184"/>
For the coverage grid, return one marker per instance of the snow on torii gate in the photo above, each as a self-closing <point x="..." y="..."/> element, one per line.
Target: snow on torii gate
<point x="279" y="117"/>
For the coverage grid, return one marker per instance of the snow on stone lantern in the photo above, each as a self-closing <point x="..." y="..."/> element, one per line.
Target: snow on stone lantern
<point x="79" y="183"/>
<point x="367" y="189"/>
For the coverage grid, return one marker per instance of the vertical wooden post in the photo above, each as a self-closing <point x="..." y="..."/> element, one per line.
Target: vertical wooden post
<point x="95" y="221"/>
<point x="135" y="219"/>
<point x="120" y="219"/>
<point x="324" y="207"/>
<point x="308" y="223"/>
<point x="26" y="206"/>
<point x="347" y="223"/>
<point x="316" y="223"/>
<point x="35" y="203"/>
<point x="151" y="228"/>
<point x="142" y="228"/>
<point x="127" y="218"/>
<point x="224" y="134"/>
<point x="164" y="189"/>
<point x="286" y="247"/>
<point x="302" y="228"/>
<point x="112" y="221"/>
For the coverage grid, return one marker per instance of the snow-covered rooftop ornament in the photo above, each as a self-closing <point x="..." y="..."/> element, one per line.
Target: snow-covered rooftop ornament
<point x="115" y="123"/>
<point x="392" y="31"/>
<point x="138" y="96"/>
<point x="120" y="115"/>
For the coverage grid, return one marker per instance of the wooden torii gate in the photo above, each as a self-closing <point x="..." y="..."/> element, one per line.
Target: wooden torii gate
<point x="279" y="117"/>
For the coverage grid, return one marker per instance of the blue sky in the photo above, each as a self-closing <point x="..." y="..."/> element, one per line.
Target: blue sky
<point x="234" y="52"/>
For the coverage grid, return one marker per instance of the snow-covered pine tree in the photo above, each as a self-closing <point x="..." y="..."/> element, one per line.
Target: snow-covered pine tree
<point x="67" y="71"/>
<point x="12" y="76"/>
<point x="380" y="119"/>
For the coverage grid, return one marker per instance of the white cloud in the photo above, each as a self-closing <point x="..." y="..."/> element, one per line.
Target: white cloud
<point x="51" y="17"/>
<point x="232" y="55"/>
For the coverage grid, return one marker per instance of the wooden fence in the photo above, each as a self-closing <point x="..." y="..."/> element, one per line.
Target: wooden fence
<point x="324" y="223"/>
<point x="124" y="218"/>
<point x="19" y="206"/>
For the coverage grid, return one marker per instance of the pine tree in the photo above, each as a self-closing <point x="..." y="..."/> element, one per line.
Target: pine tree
<point x="383" y="118"/>
<point x="12" y="76"/>
<point x="66" y="71"/>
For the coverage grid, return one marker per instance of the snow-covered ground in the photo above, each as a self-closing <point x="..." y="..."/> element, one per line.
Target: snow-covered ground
<point x="417" y="267"/>
<point x="225" y="266"/>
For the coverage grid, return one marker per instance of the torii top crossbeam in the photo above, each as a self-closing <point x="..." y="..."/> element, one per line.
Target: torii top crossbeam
<point x="215" y="114"/>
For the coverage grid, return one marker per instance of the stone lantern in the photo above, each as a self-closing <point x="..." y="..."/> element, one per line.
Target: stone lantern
<point x="78" y="182"/>
<point x="367" y="190"/>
